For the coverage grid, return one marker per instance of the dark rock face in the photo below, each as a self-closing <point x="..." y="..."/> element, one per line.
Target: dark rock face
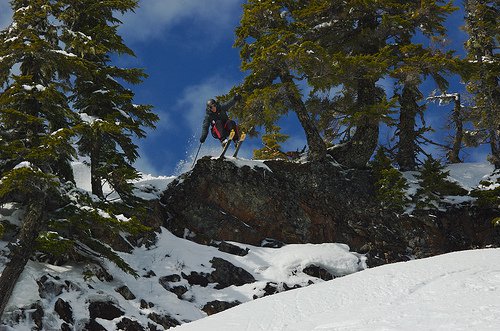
<point x="273" y="288"/>
<point x="49" y="286"/>
<point x="226" y="274"/>
<point x="197" y="278"/>
<point x="64" y="310"/>
<point x="164" y="320"/>
<point x="125" y="292"/>
<point x="231" y="249"/>
<point x="129" y="325"/>
<point x="104" y="310"/>
<point x="314" y="203"/>
<point x="318" y="272"/>
<point x="214" y="307"/>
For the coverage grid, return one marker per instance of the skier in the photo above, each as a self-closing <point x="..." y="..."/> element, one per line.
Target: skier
<point x="216" y="117"/>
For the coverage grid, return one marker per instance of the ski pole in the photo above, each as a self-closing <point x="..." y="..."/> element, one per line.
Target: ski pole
<point x="194" y="161"/>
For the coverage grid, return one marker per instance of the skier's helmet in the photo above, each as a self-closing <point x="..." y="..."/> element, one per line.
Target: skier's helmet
<point x="211" y="103"/>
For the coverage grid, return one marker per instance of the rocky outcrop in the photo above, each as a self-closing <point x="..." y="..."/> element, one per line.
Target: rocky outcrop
<point x="313" y="203"/>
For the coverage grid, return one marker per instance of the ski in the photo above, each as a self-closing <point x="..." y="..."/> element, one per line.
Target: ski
<point x="238" y="145"/>
<point x="226" y="146"/>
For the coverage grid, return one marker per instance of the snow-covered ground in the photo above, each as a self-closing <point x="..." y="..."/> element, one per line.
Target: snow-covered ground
<point x="172" y="255"/>
<point x="456" y="291"/>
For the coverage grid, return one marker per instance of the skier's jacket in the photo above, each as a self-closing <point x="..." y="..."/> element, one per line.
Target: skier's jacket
<point x="219" y="115"/>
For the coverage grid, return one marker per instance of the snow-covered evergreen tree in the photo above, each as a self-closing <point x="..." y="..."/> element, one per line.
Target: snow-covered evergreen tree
<point x="109" y="118"/>
<point x="38" y="126"/>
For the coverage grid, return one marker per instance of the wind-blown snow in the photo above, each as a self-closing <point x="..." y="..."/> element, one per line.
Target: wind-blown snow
<point x="456" y="291"/>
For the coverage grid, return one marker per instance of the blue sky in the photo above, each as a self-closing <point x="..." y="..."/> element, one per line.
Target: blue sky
<point x="186" y="48"/>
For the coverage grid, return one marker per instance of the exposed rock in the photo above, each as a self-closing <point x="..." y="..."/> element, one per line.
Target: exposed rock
<point x="94" y="326"/>
<point x="318" y="272"/>
<point x="150" y="274"/>
<point x="195" y="278"/>
<point x="129" y="325"/>
<point x="164" y="320"/>
<point x="272" y="243"/>
<point x="226" y="274"/>
<point x="214" y="307"/>
<point x="145" y="304"/>
<point x="273" y="288"/>
<point x="66" y="327"/>
<point x="97" y="271"/>
<point x="37" y="315"/>
<point x="125" y="292"/>
<point x="231" y="249"/>
<point x="177" y="290"/>
<point x="170" y="278"/>
<point x="49" y="286"/>
<point x="64" y="310"/>
<point x="314" y="202"/>
<point x="105" y="310"/>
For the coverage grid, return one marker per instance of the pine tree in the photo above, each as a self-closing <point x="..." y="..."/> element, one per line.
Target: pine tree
<point x="345" y="53"/>
<point x="272" y="147"/>
<point x="36" y="140"/>
<point x="434" y="184"/>
<point x="390" y="184"/>
<point x="268" y="37"/>
<point x="483" y="27"/>
<point x="109" y="117"/>
<point x="413" y="63"/>
<point x="36" y="125"/>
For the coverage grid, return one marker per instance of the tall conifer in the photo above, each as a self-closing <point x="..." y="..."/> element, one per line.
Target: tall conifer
<point x="109" y="118"/>
<point x="36" y="125"/>
<point x="482" y="24"/>
<point x="268" y="35"/>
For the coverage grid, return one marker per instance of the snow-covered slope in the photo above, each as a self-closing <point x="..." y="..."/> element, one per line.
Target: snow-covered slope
<point x="456" y="291"/>
<point x="175" y="256"/>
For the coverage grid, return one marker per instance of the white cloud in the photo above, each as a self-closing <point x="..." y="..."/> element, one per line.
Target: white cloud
<point x="154" y="18"/>
<point x="5" y="14"/>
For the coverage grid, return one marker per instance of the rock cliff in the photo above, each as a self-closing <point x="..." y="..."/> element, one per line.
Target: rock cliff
<point x="275" y="202"/>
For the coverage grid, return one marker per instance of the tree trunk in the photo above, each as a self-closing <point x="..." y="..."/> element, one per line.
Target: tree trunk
<point x="95" y="158"/>
<point x="453" y="155"/>
<point x="407" y="147"/>
<point x="359" y="149"/>
<point x="317" y="147"/>
<point x="22" y="250"/>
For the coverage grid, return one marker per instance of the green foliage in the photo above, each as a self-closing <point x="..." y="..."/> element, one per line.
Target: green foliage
<point x="434" y="185"/>
<point x="2" y="230"/>
<point x="487" y="194"/>
<point x="481" y="72"/>
<point x="272" y="147"/>
<point x="109" y="120"/>
<point x="52" y="243"/>
<point x="390" y="184"/>
<point x="66" y="87"/>
<point x="26" y="182"/>
<point x="93" y="224"/>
